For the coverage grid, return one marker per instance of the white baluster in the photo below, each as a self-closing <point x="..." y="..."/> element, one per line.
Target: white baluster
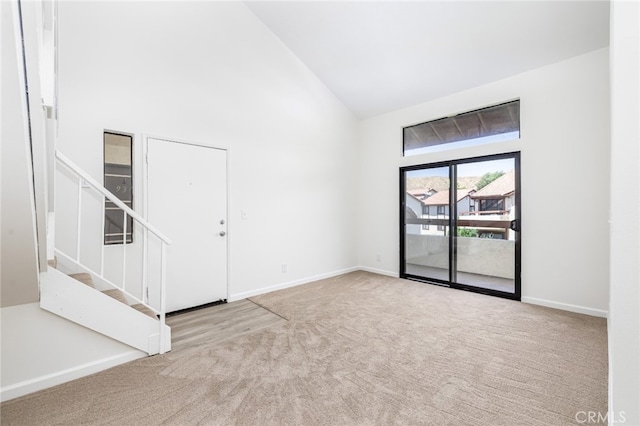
<point x="163" y="295"/>
<point x="124" y="249"/>
<point x="104" y="212"/>
<point x="145" y="260"/>
<point x="79" y="219"/>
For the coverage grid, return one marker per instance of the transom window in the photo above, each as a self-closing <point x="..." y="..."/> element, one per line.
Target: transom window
<point x="491" y="124"/>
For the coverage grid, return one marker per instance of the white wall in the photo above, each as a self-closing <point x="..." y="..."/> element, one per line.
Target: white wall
<point x="40" y="349"/>
<point x="564" y="166"/>
<point x="19" y="276"/>
<point x="211" y="73"/>
<point x="624" y="303"/>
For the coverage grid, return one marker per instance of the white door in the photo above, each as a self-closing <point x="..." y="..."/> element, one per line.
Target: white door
<point x="187" y="201"/>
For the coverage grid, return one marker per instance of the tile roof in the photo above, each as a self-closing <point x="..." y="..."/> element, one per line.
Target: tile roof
<point x="418" y="192"/>
<point x="437" y="199"/>
<point x="413" y="196"/>
<point x="504" y="185"/>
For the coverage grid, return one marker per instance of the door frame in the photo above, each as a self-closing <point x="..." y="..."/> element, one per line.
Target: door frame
<point x="453" y="213"/>
<point x="145" y="195"/>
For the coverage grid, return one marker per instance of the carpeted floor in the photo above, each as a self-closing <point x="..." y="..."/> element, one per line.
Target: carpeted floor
<point x="359" y="349"/>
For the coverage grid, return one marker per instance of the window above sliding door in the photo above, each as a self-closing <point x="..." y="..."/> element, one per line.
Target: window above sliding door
<point x="491" y="124"/>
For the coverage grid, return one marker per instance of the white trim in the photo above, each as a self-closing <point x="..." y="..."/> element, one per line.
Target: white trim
<point x="610" y="352"/>
<point x="48" y="380"/>
<point x="228" y="217"/>
<point x="281" y="286"/>
<point x="148" y="136"/>
<point x="145" y="212"/>
<point x="145" y="191"/>
<point x="379" y="271"/>
<point x="566" y="307"/>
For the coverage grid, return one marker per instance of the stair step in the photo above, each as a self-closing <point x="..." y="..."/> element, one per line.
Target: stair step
<point x="141" y="308"/>
<point x="84" y="278"/>
<point x="120" y="297"/>
<point x="116" y="294"/>
<point x="68" y="298"/>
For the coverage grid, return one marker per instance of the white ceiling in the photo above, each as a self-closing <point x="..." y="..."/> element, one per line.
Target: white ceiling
<point x="382" y="56"/>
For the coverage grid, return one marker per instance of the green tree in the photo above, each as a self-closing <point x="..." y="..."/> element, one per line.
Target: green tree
<point x="467" y="232"/>
<point x="487" y="178"/>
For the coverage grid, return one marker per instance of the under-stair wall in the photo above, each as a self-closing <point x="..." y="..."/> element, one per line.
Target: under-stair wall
<point x="40" y="350"/>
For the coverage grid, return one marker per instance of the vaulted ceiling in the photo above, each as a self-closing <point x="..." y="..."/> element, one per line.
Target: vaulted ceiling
<point x="383" y="56"/>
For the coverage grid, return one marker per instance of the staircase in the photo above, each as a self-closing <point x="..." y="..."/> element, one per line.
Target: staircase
<point x="119" y="309"/>
<point x="84" y="283"/>
<point x="108" y="312"/>
<point x="86" y="279"/>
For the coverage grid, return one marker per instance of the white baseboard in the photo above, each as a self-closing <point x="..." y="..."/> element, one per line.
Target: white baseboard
<point x="610" y="352"/>
<point x="565" y="307"/>
<point x="39" y="383"/>
<point x="281" y="286"/>
<point x="531" y="300"/>
<point x="379" y="271"/>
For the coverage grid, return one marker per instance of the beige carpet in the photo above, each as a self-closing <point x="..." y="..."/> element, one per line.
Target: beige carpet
<point x="359" y="349"/>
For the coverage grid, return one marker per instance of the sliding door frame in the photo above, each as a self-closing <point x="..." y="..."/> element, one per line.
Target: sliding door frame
<point x="453" y="215"/>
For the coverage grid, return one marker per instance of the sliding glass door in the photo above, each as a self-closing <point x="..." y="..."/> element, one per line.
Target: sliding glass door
<point x="426" y="223"/>
<point x="460" y="224"/>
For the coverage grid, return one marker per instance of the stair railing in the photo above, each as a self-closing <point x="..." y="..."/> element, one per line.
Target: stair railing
<point x="86" y="181"/>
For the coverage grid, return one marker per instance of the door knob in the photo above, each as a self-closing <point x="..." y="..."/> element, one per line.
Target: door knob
<point x="222" y="233"/>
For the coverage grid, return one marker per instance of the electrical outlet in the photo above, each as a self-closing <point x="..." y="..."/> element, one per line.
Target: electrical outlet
<point x="284" y="268"/>
<point x="244" y="214"/>
<point x="378" y="258"/>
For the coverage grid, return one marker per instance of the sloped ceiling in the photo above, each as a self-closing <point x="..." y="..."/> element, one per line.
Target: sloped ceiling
<point x="383" y="56"/>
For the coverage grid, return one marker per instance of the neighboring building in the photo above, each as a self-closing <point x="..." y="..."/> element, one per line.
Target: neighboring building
<point x="497" y="197"/>
<point x="423" y="193"/>
<point x="435" y="205"/>
<point x="413" y="210"/>
<point x="493" y="202"/>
